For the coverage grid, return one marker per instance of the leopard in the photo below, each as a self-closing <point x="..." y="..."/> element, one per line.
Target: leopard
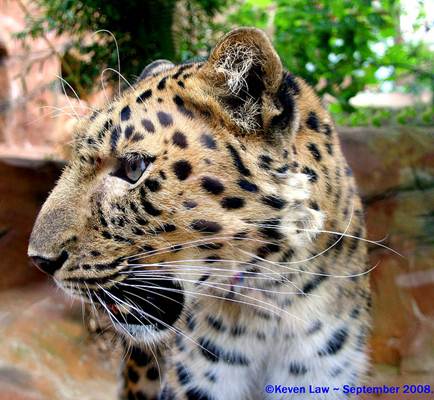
<point x="209" y="213"/>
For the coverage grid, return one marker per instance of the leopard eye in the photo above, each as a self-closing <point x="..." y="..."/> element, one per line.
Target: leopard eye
<point x="132" y="168"/>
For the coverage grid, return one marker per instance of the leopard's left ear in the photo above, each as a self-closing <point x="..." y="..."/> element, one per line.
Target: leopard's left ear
<point x="246" y="75"/>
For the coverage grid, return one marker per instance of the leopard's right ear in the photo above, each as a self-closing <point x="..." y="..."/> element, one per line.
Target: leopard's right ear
<point x="246" y="76"/>
<point x="155" y="67"/>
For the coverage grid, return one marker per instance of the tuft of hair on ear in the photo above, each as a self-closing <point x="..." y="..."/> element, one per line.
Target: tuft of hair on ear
<point x="245" y="74"/>
<point x="154" y="68"/>
<point x="236" y="64"/>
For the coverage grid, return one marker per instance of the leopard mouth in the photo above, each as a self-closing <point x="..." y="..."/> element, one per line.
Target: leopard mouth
<point x="156" y="303"/>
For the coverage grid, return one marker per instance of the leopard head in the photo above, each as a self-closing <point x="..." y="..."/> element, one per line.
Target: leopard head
<point x="180" y="188"/>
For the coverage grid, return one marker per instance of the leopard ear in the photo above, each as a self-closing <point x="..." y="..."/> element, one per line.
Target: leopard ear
<point x="154" y="68"/>
<point x="247" y="76"/>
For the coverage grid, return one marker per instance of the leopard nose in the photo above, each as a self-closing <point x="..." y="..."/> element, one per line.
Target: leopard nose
<point x="50" y="265"/>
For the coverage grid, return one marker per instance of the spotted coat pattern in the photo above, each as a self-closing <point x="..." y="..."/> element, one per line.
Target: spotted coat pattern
<point x="217" y="193"/>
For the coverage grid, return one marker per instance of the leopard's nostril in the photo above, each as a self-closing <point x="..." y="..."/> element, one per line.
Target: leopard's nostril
<point x="50" y="265"/>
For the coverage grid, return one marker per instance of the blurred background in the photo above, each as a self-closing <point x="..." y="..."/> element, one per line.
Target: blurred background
<point x="370" y="60"/>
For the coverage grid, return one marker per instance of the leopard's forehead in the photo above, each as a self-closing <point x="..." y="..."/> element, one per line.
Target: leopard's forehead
<point x="144" y="113"/>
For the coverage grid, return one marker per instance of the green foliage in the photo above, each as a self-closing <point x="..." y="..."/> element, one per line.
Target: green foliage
<point x="338" y="46"/>
<point x="420" y="115"/>
<point x="334" y="44"/>
<point x="143" y="30"/>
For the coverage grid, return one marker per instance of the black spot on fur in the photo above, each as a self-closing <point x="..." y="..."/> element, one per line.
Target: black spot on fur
<point x="189" y="204"/>
<point x="312" y="121"/>
<point x="265" y="161"/>
<point x="133" y="376"/>
<point x="141" y="221"/>
<point x="283" y="169"/>
<point x="208" y="141"/>
<point x="182" y="169"/>
<point x="148" y="125"/>
<point x="316" y="326"/>
<point x="238" y="162"/>
<point x="129" y="130"/>
<point x="181" y="69"/>
<point x="125" y="113"/>
<point x="210" y="376"/>
<point x="286" y="100"/>
<point x="296" y="368"/>
<point x="267" y="249"/>
<point x="191" y="322"/>
<point x="114" y="138"/>
<point x="335" y="242"/>
<point x="313" y="148"/>
<point x="122" y="239"/>
<point x="238" y="330"/>
<point x="152" y="184"/>
<point x="144" y="96"/>
<point x="164" y="229"/>
<point x="274" y="201"/>
<point x="232" y="203"/>
<point x="106" y="235"/>
<point x="137" y="137"/>
<point x="270" y="229"/>
<point x="313" y="176"/>
<point x="202" y="225"/>
<point x="167" y="394"/>
<point x="197" y="394"/>
<point x="292" y="83"/>
<point x="180" y="140"/>
<point x="150" y="209"/>
<point x="216" y="323"/>
<point x="152" y="374"/>
<point x="327" y="129"/>
<point x="210" y="246"/>
<point x="181" y="106"/>
<point x="314" y="205"/>
<point x="287" y="255"/>
<point x="214" y="353"/>
<point x="164" y="118"/>
<point x="137" y="231"/>
<point x="335" y="343"/>
<point x="247" y="186"/>
<point x="212" y="185"/>
<point x="184" y="376"/>
<point x="313" y="283"/>
<point x="162" y="84"/>
<point x="355" y="312"/>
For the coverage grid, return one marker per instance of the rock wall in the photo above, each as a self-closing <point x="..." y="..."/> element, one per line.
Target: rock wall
<point x="24" y="185"/>
<point x="394" y="168"/>
<point x="4" y="89"/>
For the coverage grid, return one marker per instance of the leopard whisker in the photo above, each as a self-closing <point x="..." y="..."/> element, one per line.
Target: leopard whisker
<point x="158" y="294"/>
<point x="158" y="278"/>
<point x="230" y="299"/>
<point x="183" y="271"/>
<point x="171" y="328"/>
<point x="117" y="54"/>
<point x="196" y="243"/>
<point x="108" y="311"/>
